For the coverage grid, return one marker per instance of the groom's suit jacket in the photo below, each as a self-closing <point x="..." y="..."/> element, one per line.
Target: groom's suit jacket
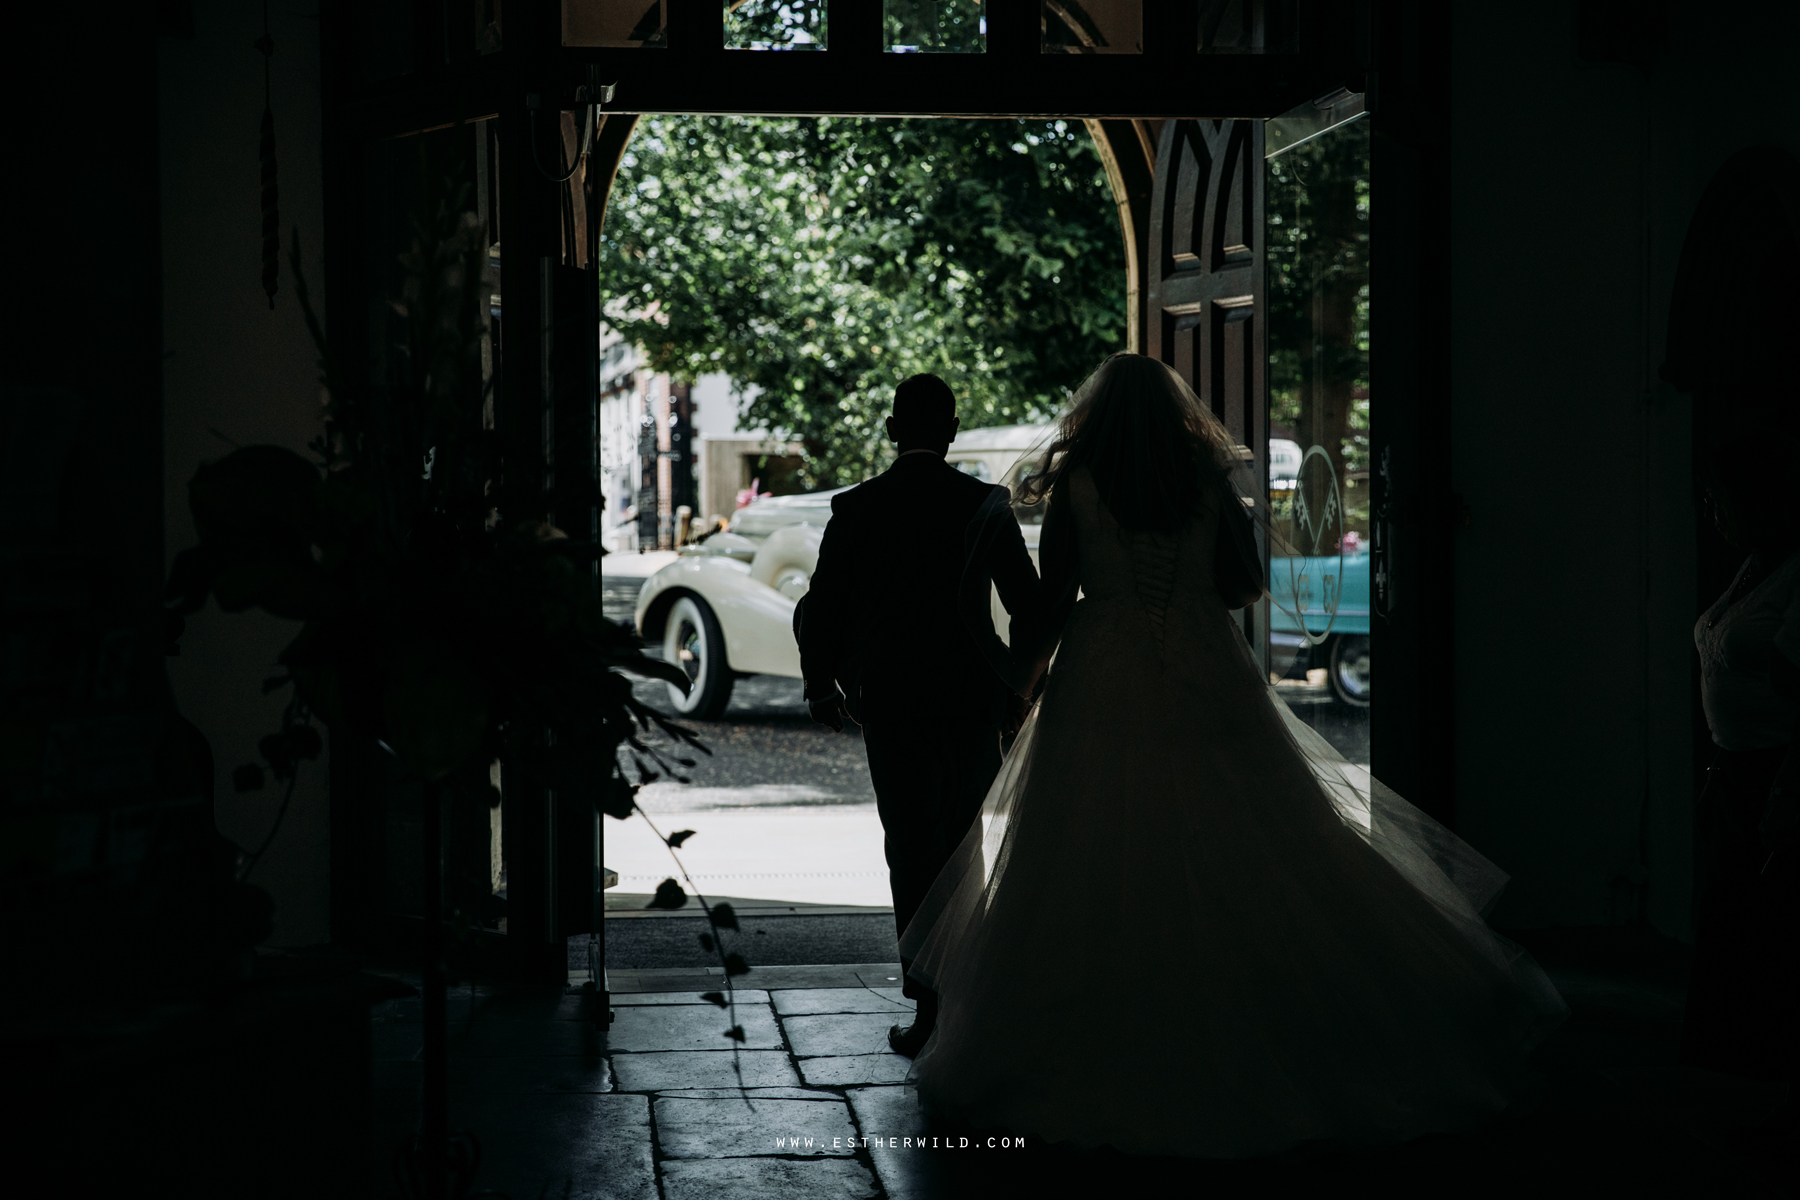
<point x="881" y="615"/>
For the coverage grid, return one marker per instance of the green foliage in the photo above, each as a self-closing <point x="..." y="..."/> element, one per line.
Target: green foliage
<point x="824" y="260"/>
<point x="934" y="26"/>
<point x="1318" y="280"/>
<point x="776" y="24"/>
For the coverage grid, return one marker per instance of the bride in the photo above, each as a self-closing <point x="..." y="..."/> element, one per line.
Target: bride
<point x="1274" y="950"/>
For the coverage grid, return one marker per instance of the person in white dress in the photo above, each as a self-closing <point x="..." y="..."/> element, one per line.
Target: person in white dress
<point x="1264" y="948"/>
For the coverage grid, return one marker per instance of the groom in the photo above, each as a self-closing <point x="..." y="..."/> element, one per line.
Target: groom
<point x="881" y="641"/>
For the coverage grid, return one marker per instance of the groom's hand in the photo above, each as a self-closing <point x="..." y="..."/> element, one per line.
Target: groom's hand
<point x="827" y="707"/>
<point x="1017" y="709"/>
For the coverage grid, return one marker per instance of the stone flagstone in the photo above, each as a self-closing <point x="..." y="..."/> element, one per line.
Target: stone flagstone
<point x="848" y="1070"/>
<point x="767" y="1179"/>
<point x="840" y="1033"/>
<point x="573" y="1146"/>
<point x="701" y="1069"/>
<point x="885" y="1113"/>
<point x="633" y="999"/>
<point x="739" y="1127"/>
<point x="690" y="1027"/>
<point x="755" y="1093"/>
<point x="798" y="1001"/>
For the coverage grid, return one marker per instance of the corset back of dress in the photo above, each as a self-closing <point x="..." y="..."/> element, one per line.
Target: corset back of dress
<point x="1169" y="576"/>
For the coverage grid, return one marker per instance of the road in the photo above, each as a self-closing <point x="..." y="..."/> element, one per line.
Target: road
<point x="782" y="808"/>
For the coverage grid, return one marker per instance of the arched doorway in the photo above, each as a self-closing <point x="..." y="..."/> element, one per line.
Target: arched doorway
<point x="535" y="88"/>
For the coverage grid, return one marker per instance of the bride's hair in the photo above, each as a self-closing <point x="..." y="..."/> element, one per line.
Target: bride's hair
<point x="1153" y="448"/>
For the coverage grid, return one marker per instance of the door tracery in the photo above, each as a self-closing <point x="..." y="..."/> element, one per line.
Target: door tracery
<point x="1204" y="294"/>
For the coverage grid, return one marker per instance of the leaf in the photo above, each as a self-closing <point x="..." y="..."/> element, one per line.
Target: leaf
<point x="651" y="668"/>
<point x="247" y="778"/>
<point x="706" y="942"/>
<point x="717" y="998"/>
<point x="723" y="916"/>
<point x="617" y="797"/>
<point x="285" y="589"/>
<point x="313" y="661"/>
<point x="850" y="253"/>
<point x="679" y="836"/>
<point x="735" y="965"/>
<point x="668" y="895"/>
<point x="190" y="579"/>
<point x="735" y="1033"/>
<point x="254" y="491"/>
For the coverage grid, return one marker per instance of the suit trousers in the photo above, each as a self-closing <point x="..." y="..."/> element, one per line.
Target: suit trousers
<point x="930" y="780"/>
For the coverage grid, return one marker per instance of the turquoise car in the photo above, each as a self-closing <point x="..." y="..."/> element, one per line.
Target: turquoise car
<point x="1319" y="617"/>
<point x="1319" y="604"/>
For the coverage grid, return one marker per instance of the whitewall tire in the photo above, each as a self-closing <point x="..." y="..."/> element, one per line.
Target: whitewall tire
<point x="693" y="641"/>
<point x="1349" y="669"/>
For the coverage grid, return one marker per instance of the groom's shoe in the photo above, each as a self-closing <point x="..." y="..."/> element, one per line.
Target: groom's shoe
<point x="911" y="1040"/>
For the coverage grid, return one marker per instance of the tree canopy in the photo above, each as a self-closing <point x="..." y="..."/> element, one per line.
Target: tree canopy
<point x="823" y="260"/>
<point x="1318" y="279"/>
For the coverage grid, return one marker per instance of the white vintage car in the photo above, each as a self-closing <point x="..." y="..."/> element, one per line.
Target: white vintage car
<point x="725" y="607"/>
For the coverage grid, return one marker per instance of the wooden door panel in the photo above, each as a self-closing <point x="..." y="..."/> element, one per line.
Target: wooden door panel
<point x="1181" y="204"/>
<point x="1232" y="370"/>
<point x="1205" y="290"/>
<point x="1236" y="183"/>
<point x="1204" y="295"/>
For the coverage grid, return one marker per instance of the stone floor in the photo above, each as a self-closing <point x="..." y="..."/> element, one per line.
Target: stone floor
<point x="807" y="1107"/>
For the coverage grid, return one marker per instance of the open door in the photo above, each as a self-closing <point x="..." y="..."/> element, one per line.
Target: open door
<point x="1205" y="298"/>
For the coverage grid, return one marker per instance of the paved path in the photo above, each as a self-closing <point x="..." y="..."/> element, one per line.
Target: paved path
<point x="782" y="808"/>
<point x="824" y="855"/>
<point x="811" y="1106"/>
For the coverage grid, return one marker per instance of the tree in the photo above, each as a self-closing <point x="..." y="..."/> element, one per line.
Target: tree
<point x="1318" y="272"/>
<point x="821" y="261"/>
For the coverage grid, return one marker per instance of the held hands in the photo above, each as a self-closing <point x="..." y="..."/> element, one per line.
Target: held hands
<point x="1017" y="709"/>
<point x="827" y="707"/>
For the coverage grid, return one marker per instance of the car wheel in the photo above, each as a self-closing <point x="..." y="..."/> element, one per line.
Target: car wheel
<point x="1349" y="674"/>
<point x="693" y="641"/>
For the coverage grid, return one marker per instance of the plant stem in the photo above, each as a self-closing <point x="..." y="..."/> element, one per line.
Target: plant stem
<point x="434" y="1126"/>
<point x="280" y="815"/>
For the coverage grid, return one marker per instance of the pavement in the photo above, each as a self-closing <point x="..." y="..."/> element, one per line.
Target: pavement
<point x="812" y="1106"/>
<point x="781" y="808"/>
<point x="825" y="855"/>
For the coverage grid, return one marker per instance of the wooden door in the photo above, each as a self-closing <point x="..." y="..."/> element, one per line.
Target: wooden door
<point x="1204" y="300"/>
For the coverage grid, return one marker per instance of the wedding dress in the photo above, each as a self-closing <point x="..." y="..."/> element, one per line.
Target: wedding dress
<point x="1183" y="924"/>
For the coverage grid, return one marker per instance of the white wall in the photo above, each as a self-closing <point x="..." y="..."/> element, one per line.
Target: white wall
<point x="717" y="409"/>
<point x="234" y="366"/>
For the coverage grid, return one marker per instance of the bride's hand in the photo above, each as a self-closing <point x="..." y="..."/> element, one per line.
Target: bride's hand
<point x="828" y="712"/>
<point x="1017" y="709"/>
